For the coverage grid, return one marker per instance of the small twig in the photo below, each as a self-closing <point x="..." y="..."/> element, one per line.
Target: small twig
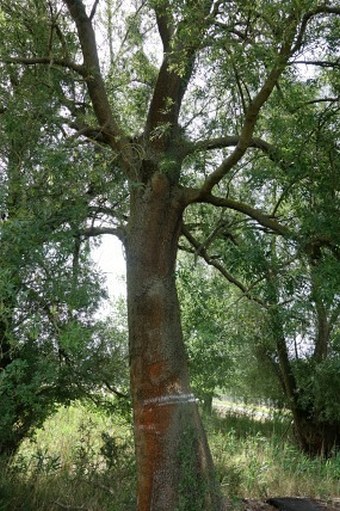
<point x="200" y="250"/>
<point x="45" y="60"/>
<point x="100" y="486"/>
<point x="115" y="391"/>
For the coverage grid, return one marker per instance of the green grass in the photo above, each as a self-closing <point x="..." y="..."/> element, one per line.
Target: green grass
<point x="82" y="459"/>
<point x="258" y="459"/>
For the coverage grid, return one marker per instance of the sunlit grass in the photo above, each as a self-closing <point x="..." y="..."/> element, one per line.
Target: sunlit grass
<point x="80" y="459"/>
<point x="83" y="459"/>
<point x="258" y="459"/>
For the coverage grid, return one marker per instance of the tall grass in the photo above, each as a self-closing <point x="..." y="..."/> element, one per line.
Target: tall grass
<point x="83" y="459"/>
<point x="80" y="459"/>
<point x="258" y="459"/>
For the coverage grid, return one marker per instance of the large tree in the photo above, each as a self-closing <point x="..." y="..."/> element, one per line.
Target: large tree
<point x="184" y="79"/>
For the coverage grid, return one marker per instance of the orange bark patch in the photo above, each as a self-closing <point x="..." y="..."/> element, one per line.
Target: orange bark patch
<point x="155" y="372"/>
<point x="152" y="423"/>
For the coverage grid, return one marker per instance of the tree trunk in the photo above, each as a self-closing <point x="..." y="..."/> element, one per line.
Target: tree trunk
<point x="174" y="465"/>
<point x="207" y="404"/>
<point x="317" y="438"/>
<point x="314" y="437"/>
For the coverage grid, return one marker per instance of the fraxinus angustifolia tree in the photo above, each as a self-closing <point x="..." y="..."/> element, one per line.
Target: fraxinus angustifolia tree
<point x="175" y="111"/>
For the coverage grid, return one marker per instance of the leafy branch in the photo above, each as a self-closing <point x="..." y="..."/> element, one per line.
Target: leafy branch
<point x="202" y="252"/>
<point x="251" y="117"/>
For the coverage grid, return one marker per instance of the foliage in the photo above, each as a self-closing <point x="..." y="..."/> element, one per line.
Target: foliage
<point x="52" y="348"/>
<point x="204" y="324"/>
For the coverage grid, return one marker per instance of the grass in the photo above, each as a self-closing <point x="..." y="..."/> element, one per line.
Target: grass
<point x="82" y="459"/>
<point x="258" y="459"/>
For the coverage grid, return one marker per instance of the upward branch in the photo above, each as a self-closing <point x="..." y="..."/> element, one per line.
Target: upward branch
<point x="164" y="23"/>
<point x="321" y="9"/>
<point x="253" y="111"/>
<point x="94" y="80"/>
<point x="175" y="71"/>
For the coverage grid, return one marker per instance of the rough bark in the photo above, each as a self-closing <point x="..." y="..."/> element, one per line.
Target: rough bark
<point x="323" y="332"/>
<point x="174" y="465"/>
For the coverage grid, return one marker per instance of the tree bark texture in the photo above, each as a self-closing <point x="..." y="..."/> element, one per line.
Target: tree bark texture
<point x="174" y="466"/>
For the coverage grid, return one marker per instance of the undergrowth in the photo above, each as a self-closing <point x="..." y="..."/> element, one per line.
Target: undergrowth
<point x="258" y="459"/>
<point x="82" y="459"/>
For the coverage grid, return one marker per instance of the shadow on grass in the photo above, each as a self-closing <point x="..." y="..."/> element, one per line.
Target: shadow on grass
<point x="244" y="425"/>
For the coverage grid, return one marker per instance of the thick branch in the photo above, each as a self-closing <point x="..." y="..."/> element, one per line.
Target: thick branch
<point x="164" y="23"/>
<point x="251" y="117"/>
<point x="94" y="80"/>
<point x="232" y="141"/>
<point x="166" y="102"/>
<point x="99" y="231"/>
<point x="93" y="10"/>
<point x="93" y="134"/>
<point x="174" y="74"/>
<point x="267" y="221"/>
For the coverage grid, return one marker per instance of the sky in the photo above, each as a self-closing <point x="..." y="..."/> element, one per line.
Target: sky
<point x="109" y="259"/>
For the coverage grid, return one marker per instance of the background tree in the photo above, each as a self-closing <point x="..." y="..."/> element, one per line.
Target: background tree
<point x="228" y="337"/>
<point x="296" y="285"/>
<point x="208" y="333"/>
<point x="52" y="350"/>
